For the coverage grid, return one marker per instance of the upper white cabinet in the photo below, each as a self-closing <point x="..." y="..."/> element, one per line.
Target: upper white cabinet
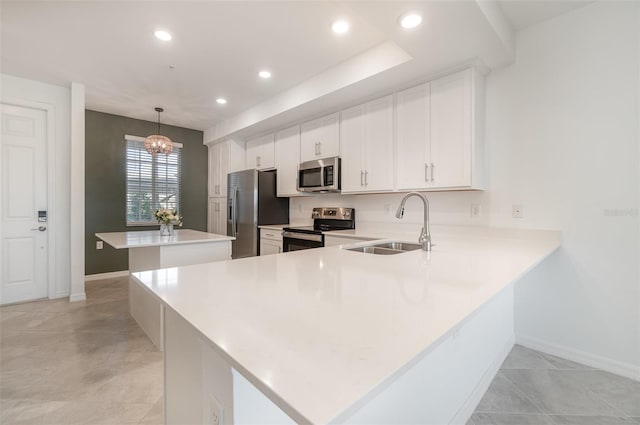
<point x="413" y="137"/>
<point x="287" y="160"/>
<point x="320" y="138"/>
<point x="261" y="152"/>
<point x="366" y="147"/>
<point x="224" y="157"/>
<point x="439" y="134"/>
<point x="218" y="169"/>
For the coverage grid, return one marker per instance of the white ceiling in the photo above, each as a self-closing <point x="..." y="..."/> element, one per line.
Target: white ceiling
<point x="219" y="47"/>
<point x="525" y="13"/>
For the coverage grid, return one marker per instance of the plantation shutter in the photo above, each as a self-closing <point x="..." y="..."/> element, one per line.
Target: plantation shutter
<point x="153" y="181"/>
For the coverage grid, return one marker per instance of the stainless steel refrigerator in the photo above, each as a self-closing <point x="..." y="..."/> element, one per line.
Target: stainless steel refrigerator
<point x="252" y="202"/>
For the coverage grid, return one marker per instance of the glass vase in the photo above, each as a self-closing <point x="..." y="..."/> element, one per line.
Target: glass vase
<point x="166" y="229"/>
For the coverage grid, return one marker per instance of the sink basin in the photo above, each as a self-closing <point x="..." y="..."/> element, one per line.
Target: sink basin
<point x="386" y="248"/>
<point x="400" y="246"/>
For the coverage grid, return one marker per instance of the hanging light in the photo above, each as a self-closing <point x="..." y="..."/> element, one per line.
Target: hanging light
<point x="157" y="143"/>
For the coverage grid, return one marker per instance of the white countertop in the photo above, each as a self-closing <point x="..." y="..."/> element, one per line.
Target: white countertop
<point x="273" y="226"/>
<point x="320" y="331"/>
<point x="122" y="240"/>
<point x="282" y="226"/>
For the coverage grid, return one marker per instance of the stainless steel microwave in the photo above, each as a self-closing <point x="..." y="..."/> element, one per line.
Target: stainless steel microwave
<point x="322" y="175"/>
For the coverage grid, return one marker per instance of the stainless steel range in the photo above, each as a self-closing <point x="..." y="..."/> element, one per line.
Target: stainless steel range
<point x="324" y="220"/>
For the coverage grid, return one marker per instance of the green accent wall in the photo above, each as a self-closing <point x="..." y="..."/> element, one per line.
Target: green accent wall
<point x="105" y="183"/>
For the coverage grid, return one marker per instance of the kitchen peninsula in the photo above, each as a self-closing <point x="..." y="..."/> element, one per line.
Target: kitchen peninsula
<point x="149" y="251"/>
<point x="330" y="335"/>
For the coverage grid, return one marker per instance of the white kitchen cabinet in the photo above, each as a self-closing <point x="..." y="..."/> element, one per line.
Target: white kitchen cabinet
<point x="217" y="218"/>
<point x="261" y="152"/>
<point x="320" y="138"/>
<point x="439" y="134"/>
<point x="270" y="241"/>
<point x="366" y="147"/>
<point x="287" y="159"/>
<point x="224" y="158"/>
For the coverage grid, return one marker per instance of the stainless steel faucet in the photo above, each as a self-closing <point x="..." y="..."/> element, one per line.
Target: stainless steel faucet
<point x="425" y="235"/>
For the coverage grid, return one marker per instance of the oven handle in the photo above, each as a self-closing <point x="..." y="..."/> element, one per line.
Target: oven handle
<point x="303" y="236"/>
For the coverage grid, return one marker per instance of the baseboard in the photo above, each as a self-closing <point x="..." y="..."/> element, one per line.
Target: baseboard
<point x="627" y="370"/>
<point x="108" y="275"/>
<point x="77" y="297"/>
<point x="470" y="404"/>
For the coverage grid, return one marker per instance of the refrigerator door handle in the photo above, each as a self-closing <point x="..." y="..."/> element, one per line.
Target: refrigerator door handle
<point x="235" y="214"/>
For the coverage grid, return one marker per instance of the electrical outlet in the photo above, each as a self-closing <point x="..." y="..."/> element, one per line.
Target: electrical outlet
<point x="517" y="211"/>
<point x="215" y="412"/>
<point x="99" y="245"/>
<point x="476" y="210"/>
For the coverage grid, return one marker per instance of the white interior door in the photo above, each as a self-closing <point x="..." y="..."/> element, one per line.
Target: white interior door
<point x="24" y="193"/>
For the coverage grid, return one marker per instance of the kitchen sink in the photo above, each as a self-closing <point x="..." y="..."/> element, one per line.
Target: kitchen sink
<point x="386" y="248"/>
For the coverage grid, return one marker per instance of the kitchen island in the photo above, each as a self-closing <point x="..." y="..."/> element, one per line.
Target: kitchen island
<point x="335" y="336"/>
<point x="149" y="251"/>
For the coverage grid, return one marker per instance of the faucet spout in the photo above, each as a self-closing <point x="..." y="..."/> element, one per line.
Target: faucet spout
<point x="425" y="234"/>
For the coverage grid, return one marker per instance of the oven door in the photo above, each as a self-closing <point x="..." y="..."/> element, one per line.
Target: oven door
<point x="294" y="241"/>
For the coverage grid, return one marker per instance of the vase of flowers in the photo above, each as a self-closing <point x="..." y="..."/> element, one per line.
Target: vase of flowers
<point x="167" y="218"/>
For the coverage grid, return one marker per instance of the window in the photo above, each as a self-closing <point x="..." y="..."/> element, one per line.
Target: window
<point x="152" y="181"/>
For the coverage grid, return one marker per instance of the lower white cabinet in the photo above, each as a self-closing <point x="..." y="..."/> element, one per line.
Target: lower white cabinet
<point x="270" y="241"/>
<point x="217" y="217"/>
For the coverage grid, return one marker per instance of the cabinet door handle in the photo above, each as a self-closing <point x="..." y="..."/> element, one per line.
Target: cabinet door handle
<point x="279" y="249"/>
<point x="361" y="178"/>
<point x="366" y="178"/>
<point x="426" y="172"/>
<point x="433" y="167"/>
<point x="258" y="161"/>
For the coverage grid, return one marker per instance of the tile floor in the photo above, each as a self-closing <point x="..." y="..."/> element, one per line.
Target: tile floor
<point x="533" y="388"/>
<point x="89" y="363"/>
<point x="78" y="363"/>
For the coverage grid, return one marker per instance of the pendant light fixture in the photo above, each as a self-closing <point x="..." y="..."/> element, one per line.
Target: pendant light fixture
<point x="157" y="143"/>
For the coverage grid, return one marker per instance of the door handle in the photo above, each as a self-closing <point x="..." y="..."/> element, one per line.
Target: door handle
<point x="361" y="178"/>
<point x="40" y="228"/>
<point x="366" y="178"/>
<point x="433" y="167"/>
<point x="235" y="211"/>
<point x="426" y="172"/>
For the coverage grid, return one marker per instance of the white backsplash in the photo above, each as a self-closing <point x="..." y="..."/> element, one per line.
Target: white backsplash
<point x="445" y="207"/>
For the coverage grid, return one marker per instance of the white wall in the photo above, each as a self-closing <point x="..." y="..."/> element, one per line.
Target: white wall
<point x="19" y="89"/>
<point x="77" y="228"/>
<point x="563" y="137"/>
<point x="563" y="125"/>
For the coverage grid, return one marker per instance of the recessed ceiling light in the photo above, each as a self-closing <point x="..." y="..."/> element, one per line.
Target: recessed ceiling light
<point x="221" y="100"/>
<point x="411" y="19"/>
<point x="340" y="27"/>
<point x="162" y="35"/>
<point x="264" y="74"/>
